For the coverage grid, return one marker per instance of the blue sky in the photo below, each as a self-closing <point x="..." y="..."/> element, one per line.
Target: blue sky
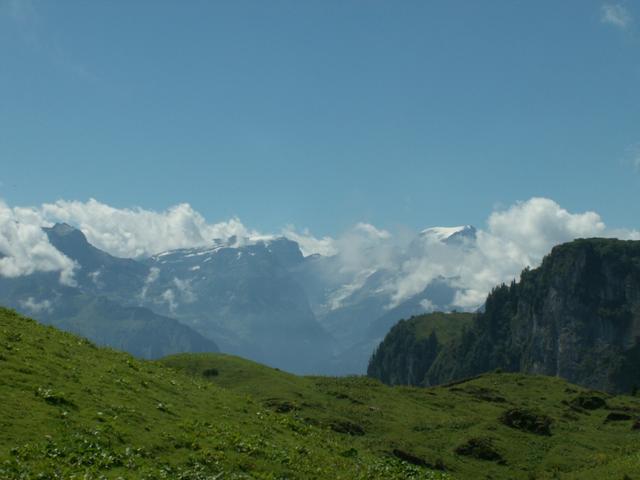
<point x="323" y="113"/>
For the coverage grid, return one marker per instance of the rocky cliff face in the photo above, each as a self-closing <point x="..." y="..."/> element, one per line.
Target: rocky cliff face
<point x="577" y="316"/>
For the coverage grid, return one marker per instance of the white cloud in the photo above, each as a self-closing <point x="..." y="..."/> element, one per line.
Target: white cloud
<point x="154" y="273"/>
<point x="186" y="291"/>
<point x="136" y="232"/>
<point x="427" y="305"/>
<point x="371" y="231"/>
<point x="95" y="278"/>
<point x="359" y="237"/>
<point x="169" y="298"/>
<point x="131" y="233"/>
<point x="364" y="247"/>
<point x="623" y="234"/>
<point x="34" y="306"/>
<point x="616" y="15"/>
<point x="517" y="237"/>
<point x="25" y="248"/>
<point x="513" y="238"/>
<point x="539" y="223"/>
<point x="336" y="298"/>
<point x="309" y="244"/>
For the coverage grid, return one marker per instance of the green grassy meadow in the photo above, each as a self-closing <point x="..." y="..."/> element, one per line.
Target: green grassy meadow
<point x="70" y="410"/>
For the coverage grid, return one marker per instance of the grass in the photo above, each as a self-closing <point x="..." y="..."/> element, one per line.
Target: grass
<point x="71" y="410"/>
<point x="446" y="325"/>
<point x="431" y="424"/>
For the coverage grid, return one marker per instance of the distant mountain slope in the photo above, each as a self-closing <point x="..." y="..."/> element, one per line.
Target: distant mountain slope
<point x="245" y="298"/>
<point x="136" y="330"/>
<point x="240" y="296"/>
<point x="409" y="349"/>
<point x="71" y="410"/>
<point x="99" y="273"/>
<point x="260" y="298"/>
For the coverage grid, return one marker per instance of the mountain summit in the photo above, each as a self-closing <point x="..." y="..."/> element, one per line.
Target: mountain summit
<point x="450" y="235"/>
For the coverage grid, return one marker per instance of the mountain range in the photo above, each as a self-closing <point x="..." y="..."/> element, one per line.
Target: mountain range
<point x="261" y="299"/>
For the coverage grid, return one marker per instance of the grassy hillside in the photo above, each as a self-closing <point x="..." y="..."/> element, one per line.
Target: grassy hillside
<point x="71" y="410"/>
<point x="446" y="326"/>
<point x="559" y="436"/>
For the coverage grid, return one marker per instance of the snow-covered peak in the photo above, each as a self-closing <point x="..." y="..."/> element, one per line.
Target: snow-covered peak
<point x="286" y="251"/>
<point x="182" y="253"/>
<point x="449" y="234"/>
<point x="61" y="229"/>
<point x="213" y="247"/>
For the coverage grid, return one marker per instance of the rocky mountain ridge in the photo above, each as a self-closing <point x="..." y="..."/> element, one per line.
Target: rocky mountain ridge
<point x="577" y="316"/>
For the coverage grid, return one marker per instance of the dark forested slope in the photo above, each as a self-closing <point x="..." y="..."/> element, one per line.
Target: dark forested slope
<point x="577" y="316"/>
<point x="409" y="349"/>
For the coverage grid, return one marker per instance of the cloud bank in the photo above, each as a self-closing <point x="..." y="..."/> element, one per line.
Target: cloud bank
<point x="512" y="239"/>
<point x="136" y="232"/>
<point x="519" y="237"/>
